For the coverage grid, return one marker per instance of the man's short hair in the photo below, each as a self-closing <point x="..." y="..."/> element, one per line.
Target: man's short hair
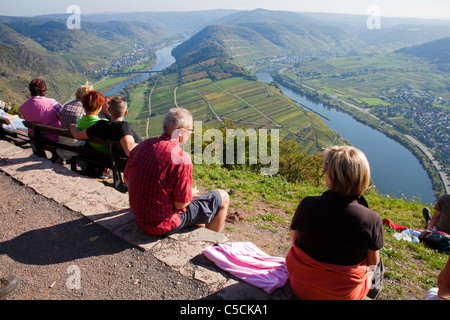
<point x="177" y="118"/>
<point x="117" y="106"/>
<point x="348" y="170"/>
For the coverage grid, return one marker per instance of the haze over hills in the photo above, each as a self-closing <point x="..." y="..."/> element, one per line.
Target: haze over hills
<point x="187" y="23"/>
<point x="393" y="33"/>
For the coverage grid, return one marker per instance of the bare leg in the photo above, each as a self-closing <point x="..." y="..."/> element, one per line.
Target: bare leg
<point x="219" y="220"/>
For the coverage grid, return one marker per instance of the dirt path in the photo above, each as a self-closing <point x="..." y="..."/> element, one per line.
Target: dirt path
<point x="46" y="246"/>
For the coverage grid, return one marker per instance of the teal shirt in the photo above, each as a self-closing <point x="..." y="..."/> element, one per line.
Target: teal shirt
<point x="85" y="122"/>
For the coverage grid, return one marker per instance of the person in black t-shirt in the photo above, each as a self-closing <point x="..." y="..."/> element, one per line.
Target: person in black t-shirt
<point x="337" y="231"/>
<point x="116" y="129"/>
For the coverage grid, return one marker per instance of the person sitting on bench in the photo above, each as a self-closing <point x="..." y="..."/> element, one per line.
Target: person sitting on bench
<point x="116" y="129"/>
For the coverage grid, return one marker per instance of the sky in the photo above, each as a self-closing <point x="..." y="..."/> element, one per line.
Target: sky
<point x="389" y="8"/>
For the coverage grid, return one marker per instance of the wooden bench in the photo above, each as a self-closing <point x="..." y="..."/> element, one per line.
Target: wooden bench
<point x="116" y="159"/>
<point x="17" y="136"/>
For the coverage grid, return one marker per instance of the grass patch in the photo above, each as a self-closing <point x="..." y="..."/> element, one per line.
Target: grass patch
<point x="411" y="269"/>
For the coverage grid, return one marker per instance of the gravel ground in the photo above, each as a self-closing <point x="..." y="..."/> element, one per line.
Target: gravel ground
<point x="58" y="254"/>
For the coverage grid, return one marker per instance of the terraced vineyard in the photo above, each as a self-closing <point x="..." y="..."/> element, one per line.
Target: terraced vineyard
<point x="246" y="103"/>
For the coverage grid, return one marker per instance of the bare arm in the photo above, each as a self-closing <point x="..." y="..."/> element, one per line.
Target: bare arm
<point x="11" y="116"/>
<point x="180" y="206"/>
<point x="444" y="282"/>
<point x="294" y="236"/>
<point x="127" y="142"/>
<point x="434" y="219"/>
<point x="77" y="133"/>
<point x="373" y="257"/>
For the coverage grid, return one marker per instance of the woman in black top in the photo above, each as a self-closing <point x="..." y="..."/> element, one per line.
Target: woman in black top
<point x="337" y="227"/>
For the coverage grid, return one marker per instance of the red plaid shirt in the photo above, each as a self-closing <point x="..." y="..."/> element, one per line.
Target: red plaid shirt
<point x="159" y="173"/>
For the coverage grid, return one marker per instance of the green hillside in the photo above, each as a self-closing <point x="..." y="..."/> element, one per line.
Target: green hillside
<point x="241" y="43"/>
<point x="249" y="36"/>
<point x="436" y="52"/>
<point x="408" y="95"/>
<point x="290" y="33"/>
<point x="265" y="206"/>
<point x="235" y="102"/>
<point x="203" y="57"/>
<point x="33" y="47"/>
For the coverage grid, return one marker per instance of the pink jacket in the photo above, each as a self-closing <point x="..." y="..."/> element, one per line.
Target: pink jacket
<point x="42" y="110"/>
<point x="247" y="262"/>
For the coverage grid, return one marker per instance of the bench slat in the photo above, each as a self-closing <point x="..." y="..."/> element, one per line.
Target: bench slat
<point x="115" y="160"/>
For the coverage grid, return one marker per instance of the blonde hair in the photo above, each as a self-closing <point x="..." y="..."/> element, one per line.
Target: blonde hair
<point x="83" y="90"/>
<point x="348" y="170"/>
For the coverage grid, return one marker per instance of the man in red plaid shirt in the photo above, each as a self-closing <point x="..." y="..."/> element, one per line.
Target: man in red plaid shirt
<point x="159" y="176"/>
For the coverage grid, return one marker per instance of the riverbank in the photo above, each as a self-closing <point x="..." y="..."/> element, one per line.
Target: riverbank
<point x="436" y="174"/>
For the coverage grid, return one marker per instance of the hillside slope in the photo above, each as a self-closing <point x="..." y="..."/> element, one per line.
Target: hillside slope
<point x="290" y="33"/>
<point x="204" y="56"/>
<point x="436" y="52"/>
<point x="36" y="47"/>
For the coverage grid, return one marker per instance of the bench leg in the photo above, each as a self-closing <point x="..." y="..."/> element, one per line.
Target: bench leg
<point x="118" y="182"/>
<point x="73" y="164"/>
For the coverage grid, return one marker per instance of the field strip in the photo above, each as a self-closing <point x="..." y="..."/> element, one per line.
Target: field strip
<point x="175" y="96"/>
<point x="237" y="97"/>
<point x="149" y="112"/>
<point x="209" y="105"/>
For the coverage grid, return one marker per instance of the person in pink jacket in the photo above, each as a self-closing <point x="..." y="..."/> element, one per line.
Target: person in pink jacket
<point x="42" y="110"/>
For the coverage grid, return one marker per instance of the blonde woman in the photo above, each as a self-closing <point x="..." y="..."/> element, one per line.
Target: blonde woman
<point x="74" y="110"/>
<point x="335" y="237"/>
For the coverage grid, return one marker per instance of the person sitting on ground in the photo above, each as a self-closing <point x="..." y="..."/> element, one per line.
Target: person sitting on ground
<point x="441" y="219"/>
<point x="116" y="129"/>
<point x="442" y="291"/>
<point x="159" y="176"/>
<point x="41" y="110"/>
<point x="335" y="237"/>
<point x="92" y="104"/>
<point x="73" y="110"/>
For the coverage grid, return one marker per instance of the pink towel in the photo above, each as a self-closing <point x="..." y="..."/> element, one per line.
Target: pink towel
<point x="247" y="262"/>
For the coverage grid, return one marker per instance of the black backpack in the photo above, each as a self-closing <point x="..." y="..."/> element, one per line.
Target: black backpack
<point x="436" y="240"/>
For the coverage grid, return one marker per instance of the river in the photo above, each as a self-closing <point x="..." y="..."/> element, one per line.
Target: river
<point x="164" y="60"/>
<point x="394" y="169"/>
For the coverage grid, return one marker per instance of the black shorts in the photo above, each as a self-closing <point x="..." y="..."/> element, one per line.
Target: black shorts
<point x="201" y="210"/>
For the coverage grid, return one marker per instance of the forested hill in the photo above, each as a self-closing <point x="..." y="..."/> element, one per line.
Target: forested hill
<point x="240" y="39"/>
<point x="37" y="47"/>
<point x="252" y="35"/>
<point x="437" y="52"/>
<point x="55" y="36"/>
<point x="204" y="56"/>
